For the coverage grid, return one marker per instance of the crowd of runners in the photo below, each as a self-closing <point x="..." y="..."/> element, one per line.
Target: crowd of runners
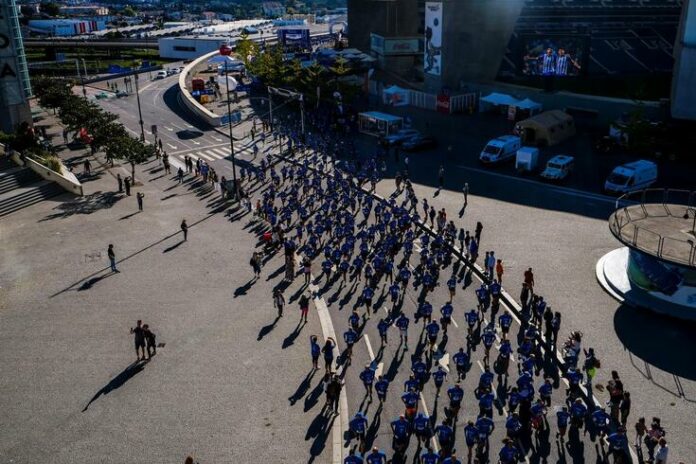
<point x="319" y="204"/>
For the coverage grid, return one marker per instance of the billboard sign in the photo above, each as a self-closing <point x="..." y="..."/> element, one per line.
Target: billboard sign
<point x="432" y="60"/>
<point x="294" y="38"/>
<point x="395" y="45"/>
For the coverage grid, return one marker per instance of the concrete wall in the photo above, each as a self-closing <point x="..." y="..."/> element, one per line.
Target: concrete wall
<point x="65" y="179"/>
<point x="475" y="34"/>
<point x="185" y="96"/>
<point x="386" y="18"/>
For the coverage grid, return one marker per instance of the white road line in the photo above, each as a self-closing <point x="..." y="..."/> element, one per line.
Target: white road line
<point x="169" y="129"/>
<point x="203" y="155"/>
<point x="433" y="440"/>
<point x="195" y="143"/>
<point x="216" y="138"/>
<point x="220" y="151"/>
<point x="561" y="190"/>
<point x="444" y="361"/>
<point x="454" y="323"/>
<point x="369" y="347"/>
<point x="173" y="147"/>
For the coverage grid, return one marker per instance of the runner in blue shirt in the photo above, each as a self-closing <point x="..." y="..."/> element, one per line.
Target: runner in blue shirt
<point x="432" y="329"/>
<point x="358" y="427"/>
<point x="382" y="387"/>
<point x="504" y="353"/>
<point x="452" y="286"/>
<point x="367" y="295"/>
<point x="578" y="410"/>
<point x="425" y="311"/>
<point x="488" y="339"/>
<point x="562" y="417"/>
<point x="513" y="426"/>
<point x="472" y="318"/>
<point x="456" y="394"/>
<point x="429" y="456"/>
<point x="326" y="267"/>
<point x="486" y="380"/>
<point x="421" y="427"/>
<point x="412" y="383"/>
<point x="357" y="268"/>
<point x="439" y="377"/>
<point x="354" y="320"/>
<point x="402" y="323"/>
<point x="376" y="457"/>
<point x="486" y="404"/>
<point x="471" y="435"/>
<point x="505" y="321"/>
<point x="410" y="400"/>
<point x="538" y="415"/>
<point x="509" y="453"/>
<point x="344" y="266"/>
<point x="446" y="319"/>
<point x="383" y="327"/>
<point x="401" y="428"/>
<point x="350" y="336"/>
<point x="483" y="298"/>
<point x="545" y="392"/>
<point x="368" y="377"/>
<point x="452" y="459"/>
<point x="353" y="458"/>
<point x="618" y="445"/>
<point x="461" y="360"/>
<point x="601" y="421"/>
<point x="445" y="436"/>
<point x="394" y="292"/>
<point x="485" y="428"/>
<point x="404" y="276"/>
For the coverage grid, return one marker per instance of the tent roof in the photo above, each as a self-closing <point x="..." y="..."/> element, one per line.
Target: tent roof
<point x="500" y="99"/>
<point x="528" y="104"/>
<point x="394" y="89"/>
<point x="548" y="118"/>
<point x="382" y="116"/>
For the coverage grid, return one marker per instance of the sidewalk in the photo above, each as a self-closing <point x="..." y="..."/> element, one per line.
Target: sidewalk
<point x="219" y="387"/>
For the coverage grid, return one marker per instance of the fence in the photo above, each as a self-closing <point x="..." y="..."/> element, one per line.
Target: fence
<point x="670" y="204"/>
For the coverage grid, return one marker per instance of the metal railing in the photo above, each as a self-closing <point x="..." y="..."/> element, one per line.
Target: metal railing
<point x="643" y="204"/>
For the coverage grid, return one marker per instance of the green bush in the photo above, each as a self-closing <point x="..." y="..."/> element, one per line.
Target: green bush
<point x="53" y="163"/>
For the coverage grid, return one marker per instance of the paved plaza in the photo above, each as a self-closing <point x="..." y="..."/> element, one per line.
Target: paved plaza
<point x="233" y="383"/>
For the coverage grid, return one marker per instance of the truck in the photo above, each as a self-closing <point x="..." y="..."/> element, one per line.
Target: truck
<point x="632" y="176"/>
<point x="527" y="159"/>
<point x="558" y="167"/>
<point x="500" y="149"/>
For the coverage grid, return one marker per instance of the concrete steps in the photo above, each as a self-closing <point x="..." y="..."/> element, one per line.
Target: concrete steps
<point x="22" y="197"/>
<point x="16" y="177"/>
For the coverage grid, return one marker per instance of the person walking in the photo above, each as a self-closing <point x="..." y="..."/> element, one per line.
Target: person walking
<point x="139" y="338"/>
<point x="139" y="196"/>
<point x="315" y="351"/>
<point x="278" y="301"/>
<point x="304" y="307"/>
<point x="499" y="271"/>
<point x="150" y="341"/>
<point x="180" y="175"/>
<point x="87" y="167"/>
<point x="112" y="258"/>
<point x="127" y="185"/>
<point x="441" y="177"/>
<point x="255" y="263"/>
<point x="529" y="279"/>
<point x="184" y="229"/>
<point x="120" y="183"/>
<point x="465" y="191"/>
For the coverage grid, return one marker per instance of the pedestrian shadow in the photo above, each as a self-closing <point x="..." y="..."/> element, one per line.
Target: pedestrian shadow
<point x="313" y="398"/>
<point x="128" y="216"/>
<point x="302" y="388"/>
<point x="169" y="196"/>
<point x="88" y="284"/>
<point x="320" y="429"/>
<point x="242" y="290"/>
<point x="266" y="329"/>
<point x="276" y="273"/>
<point x="86" y="204"/>
<point x="118" y="381"/>
<point x="173" y="247"/>
<point x="290" y="339"/>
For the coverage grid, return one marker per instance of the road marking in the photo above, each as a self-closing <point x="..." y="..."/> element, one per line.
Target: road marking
<point x="433" y="440"/>
<point x="216" y="138"/>
<point x="173" y="147"/>
<point x="454" y="323"/>
<point x="203" y="155"/>
<point x="444" y="361"/>
<point x="557" y="189"/>
<point x="169" y="129"/>
<point x="195" y="143"/>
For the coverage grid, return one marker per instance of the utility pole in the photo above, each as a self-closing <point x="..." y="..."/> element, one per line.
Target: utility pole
<point x="225" y="51"/>
<point x="140" y="112"/>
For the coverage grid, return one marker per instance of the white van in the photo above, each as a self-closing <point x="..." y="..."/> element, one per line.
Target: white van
<point x="558" y="167"/>
<point x="632" y="176"/>
<point x="500" y="149"/>
<point x="161" y="74"/>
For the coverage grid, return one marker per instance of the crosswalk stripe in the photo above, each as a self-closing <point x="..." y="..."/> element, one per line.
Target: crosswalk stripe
<point x="203" y="155"/>
<point x="219" y="151"/>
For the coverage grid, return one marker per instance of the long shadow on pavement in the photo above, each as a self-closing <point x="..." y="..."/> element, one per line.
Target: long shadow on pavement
<point x="118" y="381"/>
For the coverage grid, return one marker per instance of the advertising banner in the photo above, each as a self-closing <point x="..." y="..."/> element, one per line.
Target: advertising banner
<point x="401" y="46"/>
<point x="432" y="62"/>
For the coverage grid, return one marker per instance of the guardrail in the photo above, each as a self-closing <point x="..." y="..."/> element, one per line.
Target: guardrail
<point x="655" y="203"/>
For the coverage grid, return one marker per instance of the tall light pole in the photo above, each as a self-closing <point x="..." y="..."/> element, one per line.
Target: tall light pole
<point x="226" y="50"/>
<point x="140" y="113"/>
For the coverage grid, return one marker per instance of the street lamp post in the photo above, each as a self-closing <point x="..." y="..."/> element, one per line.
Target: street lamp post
<point x="140" y="113"/>
<point x="225" y="50"/>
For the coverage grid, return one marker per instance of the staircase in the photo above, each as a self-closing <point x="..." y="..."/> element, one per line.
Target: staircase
<point x="21" y="187"/>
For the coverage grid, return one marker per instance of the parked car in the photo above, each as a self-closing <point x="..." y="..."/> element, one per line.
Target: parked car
<point x="419" y="142"/>
<point x="500" y="149"/>
<point x="558" y="167"/>
<point x="630" y="177"/>
<point x="398" y="137"/>
<point x="121" y="93"/>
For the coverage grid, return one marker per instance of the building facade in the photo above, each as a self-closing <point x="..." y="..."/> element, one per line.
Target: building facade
<point x="684" y="78"/>
<point x="15" y="87"/>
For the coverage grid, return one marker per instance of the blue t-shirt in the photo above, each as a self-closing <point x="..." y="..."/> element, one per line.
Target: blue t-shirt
<point x="444" y="433"/>
<point x="410" y="399"/>
<point x="455" y="394"/>
<point x="505" y="320"/>
<point x="461" y="358"/>
<point x="508" y="454"/>
<point x="367" y="376"/>
<point x="400" y="428"/>
<point x="376" y="457"/>
<point x="382" y="386"/>
<point x="421" y="423"/>
<point x="430" y="457"/>
<point x="447" y="310"/>
<point x="439" y="376"/>
<point x="355" y="459"/>
<point x="358" y="424"/>
<point x="562" y="418"/>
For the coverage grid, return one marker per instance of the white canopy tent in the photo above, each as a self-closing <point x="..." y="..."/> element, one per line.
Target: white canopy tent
<point x="221" y="61"/>
<point x="223" y="85"/>
<point x="497" y="99"/>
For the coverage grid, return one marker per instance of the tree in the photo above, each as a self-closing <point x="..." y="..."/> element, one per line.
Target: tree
<point x="247" y="49"/>
<point x="129" y="11"/>
<point x="129" y="149"/>
<point x="49" y="8"/>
